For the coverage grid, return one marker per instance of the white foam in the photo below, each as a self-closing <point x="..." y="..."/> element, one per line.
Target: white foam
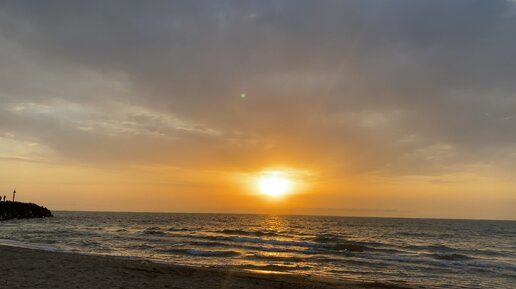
<point x="36" y="246"/>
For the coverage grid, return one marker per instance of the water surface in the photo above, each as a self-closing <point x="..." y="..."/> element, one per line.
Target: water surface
<point x="442" y="253"/>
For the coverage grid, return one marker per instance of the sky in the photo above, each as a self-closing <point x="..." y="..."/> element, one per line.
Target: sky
<point x="369" y="108"/>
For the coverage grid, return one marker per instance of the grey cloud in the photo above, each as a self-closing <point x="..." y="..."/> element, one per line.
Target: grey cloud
<point x="446" y="67"/>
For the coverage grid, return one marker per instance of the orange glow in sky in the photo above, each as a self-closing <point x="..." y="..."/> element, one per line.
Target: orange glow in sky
<point x="327" y="108"/>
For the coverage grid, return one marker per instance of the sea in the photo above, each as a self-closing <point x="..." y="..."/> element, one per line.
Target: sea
<point x="428" y="252"/>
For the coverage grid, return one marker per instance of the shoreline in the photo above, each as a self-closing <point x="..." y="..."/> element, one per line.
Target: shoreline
<point x="35" y="268"/>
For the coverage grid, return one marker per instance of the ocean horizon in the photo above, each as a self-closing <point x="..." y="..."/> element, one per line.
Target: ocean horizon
<point x="284" y="214"/>
<point x="428" y="252"/>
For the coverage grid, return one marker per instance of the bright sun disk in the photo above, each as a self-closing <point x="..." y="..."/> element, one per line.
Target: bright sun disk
<point x="274" y="185"/>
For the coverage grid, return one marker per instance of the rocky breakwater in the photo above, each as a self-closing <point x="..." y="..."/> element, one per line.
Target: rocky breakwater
<point x="18" y="210"/>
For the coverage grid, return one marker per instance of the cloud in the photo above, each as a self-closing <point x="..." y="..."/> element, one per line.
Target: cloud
<point x="398" y="87"/>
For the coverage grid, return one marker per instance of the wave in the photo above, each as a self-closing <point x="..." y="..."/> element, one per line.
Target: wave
<point x="268" y="257"/>
<point x="42" y="241"/>
<point x="178" y="229"/>
<point x="249" y="233"/>
<point x="327" y="238"/>
<point x="273" y="249"/>
<point x="213" y="253"/>
<point x="228" y="242"/>
<point x="279" y="245"/>
<point x="424" y="234"/>
<point x="451" y="257"/>
<point x="153" y="231"/>
<point x="428" y="261"/>
<point x="273" y="268"/>
<point x="340" y="244"/>
<point x="488" y="252"/>
<point x="138" y="247"/>
<point x="442" y="249"/>
<point x="279" y="242"/>
<point x="88" y="243"/>
<point x="28" y="245"/>
<point x="203" y="253"/>
<point x="494" y="266"/>
<point x="351" y="247"/>
<point x="209" y="244"/>
<point x="431" y="248"/>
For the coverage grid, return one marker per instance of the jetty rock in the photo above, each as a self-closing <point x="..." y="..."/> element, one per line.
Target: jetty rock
<point x="18" y="210"/>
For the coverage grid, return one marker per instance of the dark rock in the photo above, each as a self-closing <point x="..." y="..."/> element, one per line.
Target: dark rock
<point x="17" y="210"/>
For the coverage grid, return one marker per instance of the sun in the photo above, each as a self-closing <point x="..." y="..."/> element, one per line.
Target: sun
<point x="274" y="185"/>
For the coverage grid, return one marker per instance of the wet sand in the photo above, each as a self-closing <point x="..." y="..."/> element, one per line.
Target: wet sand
<point x="28" y="268"/>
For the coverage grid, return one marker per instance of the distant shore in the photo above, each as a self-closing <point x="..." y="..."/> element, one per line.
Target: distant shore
<point x="29" y="268"/>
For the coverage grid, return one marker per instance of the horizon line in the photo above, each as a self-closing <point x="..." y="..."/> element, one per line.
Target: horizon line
<point x="280" y="214"/>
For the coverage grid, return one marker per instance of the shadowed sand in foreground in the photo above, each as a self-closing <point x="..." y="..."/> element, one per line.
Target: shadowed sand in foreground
<point x="28" y="268"/>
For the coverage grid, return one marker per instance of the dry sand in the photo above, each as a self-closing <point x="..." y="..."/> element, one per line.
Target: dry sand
<point x="27" y="268"/>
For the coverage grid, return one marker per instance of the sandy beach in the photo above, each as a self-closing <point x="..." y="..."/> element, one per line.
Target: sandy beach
<point x="28" y="268"/>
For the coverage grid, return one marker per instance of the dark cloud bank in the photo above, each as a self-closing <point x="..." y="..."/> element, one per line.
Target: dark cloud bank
<point x="405" y="87"/>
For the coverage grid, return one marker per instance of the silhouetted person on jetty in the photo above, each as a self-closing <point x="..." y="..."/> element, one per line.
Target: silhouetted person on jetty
<point x="14" y="194"/>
